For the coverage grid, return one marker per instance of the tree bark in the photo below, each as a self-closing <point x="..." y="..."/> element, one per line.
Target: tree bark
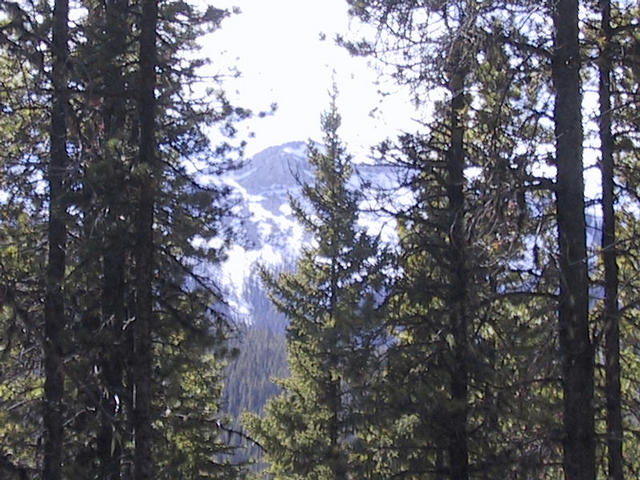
<point x="143" y="469"/>
<point x="576" y="350"/>
<point x="609" y="258"/>
<point x="333" y="384"/>
<point x="54" y="316"/>
<point x="458" y="441"/>
<point x="114" y="238"/>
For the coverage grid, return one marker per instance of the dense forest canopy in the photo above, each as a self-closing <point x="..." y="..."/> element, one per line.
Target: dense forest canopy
<point x="496" y="337"/>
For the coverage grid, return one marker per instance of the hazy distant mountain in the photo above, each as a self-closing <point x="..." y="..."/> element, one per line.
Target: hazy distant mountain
<point x="266" y="231"/>
<point x="267" y="234"/>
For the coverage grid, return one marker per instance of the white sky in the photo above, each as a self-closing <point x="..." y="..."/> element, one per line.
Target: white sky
<point x="277" y="46"/>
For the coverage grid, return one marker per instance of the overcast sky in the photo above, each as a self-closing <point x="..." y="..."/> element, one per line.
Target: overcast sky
<point x="278" y="46"/>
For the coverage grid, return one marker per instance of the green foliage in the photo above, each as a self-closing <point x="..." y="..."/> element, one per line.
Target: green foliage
<point x="334" y="306"/>
<point x="21" y="262"/>
<point x="250" y="376"/>
<point x="101" y="188"/>
<point x="373" y="365"/>
<point x="20" y="322"/>
<point x="494" y="235"/>
<point x="186" y="400"/>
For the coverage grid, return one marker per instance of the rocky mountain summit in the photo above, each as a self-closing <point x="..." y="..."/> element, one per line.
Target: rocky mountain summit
<point x="266" y="233"/>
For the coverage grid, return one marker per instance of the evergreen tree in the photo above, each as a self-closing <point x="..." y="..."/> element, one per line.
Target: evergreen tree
<point x="54" y="312"/>
<point x="609" y="256"/>
<point x="333" y="303"/>
<point x="144" y="244"/>
<point x="576" y="350"/>
<point x="20" y="345"/>
<point x="103" y="182"/>
<point x="25" y="125"/>
<point x="611" y="41"/>
<point x="250" y="378"/>
<point x="458" y="371"/>
<point x="468" y="264"/>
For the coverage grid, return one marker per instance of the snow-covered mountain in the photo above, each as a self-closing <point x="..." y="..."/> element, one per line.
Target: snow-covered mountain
<point x="266" y="233"/>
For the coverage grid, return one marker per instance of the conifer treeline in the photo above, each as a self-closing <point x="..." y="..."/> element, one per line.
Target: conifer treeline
<point x="97" y="258"/>
<point x="492" y="341"/>
<point x="505" y="347"/>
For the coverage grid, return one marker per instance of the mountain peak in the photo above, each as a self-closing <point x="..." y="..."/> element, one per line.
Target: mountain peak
<point x="275" y="169"/>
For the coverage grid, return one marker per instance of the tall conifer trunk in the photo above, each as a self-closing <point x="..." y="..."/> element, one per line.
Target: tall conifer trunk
<point x="144" y="244"/>
<point x="576" y="350"/>
<point x="458" y="442"/>
<point x="54" y="315"/>
<point x="334" y="399"/>
<point x="609" y="257"/>
<point x="114" y="238"/>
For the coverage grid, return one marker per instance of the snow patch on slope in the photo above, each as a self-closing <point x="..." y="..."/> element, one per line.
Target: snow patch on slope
<point x="267" y="234"/>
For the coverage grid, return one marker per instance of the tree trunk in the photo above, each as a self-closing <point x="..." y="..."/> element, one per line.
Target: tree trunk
<point x="333" y="384"/>
<point x="144" y="245"/>
<point x="576" y="350"/>
<point x="54" y="316"/>
<point x="114" y="238"/>
<point x="458" y="442"/>
<point x="609" y="258"/>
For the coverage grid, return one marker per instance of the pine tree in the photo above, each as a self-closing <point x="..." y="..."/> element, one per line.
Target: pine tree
<point x="144" y="244"/>
<point x="21" y="254"/>
<point x="25" y="124"/>
<point x="472" y="171"/>
<point x="576" y="350"/>
<point x="54" y="312"/>
<point x="189" y="334"/>
<point x="333" y="303"/>
<point x="612" y="42"/>
<point x="609" y="256"/>
<point x="262" y="358"/>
